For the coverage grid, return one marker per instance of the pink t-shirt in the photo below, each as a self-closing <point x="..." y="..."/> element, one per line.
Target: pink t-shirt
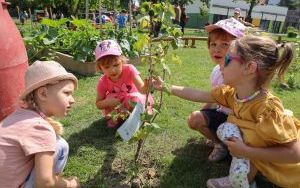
<point x="22" y="134"/>
<point x="217" y="79"/>
<point x="124" y="89"/>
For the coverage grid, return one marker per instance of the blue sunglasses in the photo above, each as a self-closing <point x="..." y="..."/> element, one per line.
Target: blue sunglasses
<point x="229" y="58"/>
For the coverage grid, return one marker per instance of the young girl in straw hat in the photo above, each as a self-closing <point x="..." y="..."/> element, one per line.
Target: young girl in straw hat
<point x="32" y="153"/>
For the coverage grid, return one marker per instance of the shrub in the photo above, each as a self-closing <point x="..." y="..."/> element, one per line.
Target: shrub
<point x="292" y="33"/>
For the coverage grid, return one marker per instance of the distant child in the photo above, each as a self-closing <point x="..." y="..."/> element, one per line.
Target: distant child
<point x="122" y="19"/>
<point x="211" y="116"/>
<point x="271" y="135"/>
<point x="121" y="83"/>
<point x="32" y="152"/>
<point x="237" y="16"/>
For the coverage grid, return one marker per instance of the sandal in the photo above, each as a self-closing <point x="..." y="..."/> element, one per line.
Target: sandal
<point x="219" y="152"/>
<point x="223" y="182"/>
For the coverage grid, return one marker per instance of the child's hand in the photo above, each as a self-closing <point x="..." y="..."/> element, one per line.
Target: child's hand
<point x="158" y="83"/>
<point x="73" y="182"/>
<point x="236" y="147"/>
<point x="113" y="102"/>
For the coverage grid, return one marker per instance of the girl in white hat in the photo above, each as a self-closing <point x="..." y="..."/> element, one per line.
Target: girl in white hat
<point x="32" y="153"/>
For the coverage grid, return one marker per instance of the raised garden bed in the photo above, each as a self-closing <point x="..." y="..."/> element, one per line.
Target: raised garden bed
<point x="82" y="68"/>
<point x="67" y="61"/>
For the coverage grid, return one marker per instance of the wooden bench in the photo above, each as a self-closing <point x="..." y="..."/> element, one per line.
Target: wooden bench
<point x="186" y="40"/>
<point x="193" y="40"/>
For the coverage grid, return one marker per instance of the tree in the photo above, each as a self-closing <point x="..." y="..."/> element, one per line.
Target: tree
<point x="252" y="3"/>
<point x="291" y="4"/>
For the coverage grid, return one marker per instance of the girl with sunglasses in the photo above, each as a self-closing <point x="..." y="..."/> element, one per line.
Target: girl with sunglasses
<point x="270" y="133"/>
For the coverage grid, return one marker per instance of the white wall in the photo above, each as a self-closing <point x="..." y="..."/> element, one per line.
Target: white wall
<point x="267" y="12"/>
<point x="193" y="8"/>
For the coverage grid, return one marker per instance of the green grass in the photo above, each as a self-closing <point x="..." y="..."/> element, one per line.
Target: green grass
<point x="173" y="157"/>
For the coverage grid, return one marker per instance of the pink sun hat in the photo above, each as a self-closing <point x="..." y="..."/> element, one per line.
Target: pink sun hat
<point x="41" y="73"/>
<point x="107" y="47"/>
<point x="230" y="25"/>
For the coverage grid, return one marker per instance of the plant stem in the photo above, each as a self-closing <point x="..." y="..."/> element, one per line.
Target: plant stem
<point x="150" y="72"/>
<point x="160" y="99"/>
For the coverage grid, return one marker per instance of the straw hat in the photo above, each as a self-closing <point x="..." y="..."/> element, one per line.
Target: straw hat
<point x="41" y="73"/>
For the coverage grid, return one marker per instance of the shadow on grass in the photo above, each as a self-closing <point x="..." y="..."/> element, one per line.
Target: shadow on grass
<point x="190" y="168"/>
<point x="99" y="136"/>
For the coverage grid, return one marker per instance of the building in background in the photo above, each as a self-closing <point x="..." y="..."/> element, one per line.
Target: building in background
<point x="267" y="17"/>
<point x="292" y="19"/>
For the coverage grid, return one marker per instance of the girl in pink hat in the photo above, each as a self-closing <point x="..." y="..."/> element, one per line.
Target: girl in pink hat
<point x="120" y="86"/>
<point x="32" y="152"/>
<point x="208" y="119"/>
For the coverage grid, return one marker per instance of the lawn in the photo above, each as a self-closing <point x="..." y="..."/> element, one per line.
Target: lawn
<point x="173" y="157"/>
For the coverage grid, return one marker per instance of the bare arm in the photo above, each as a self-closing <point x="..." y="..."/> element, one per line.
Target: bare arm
<point x="192" y="94"/>
<point x="139" y="83"/>
<point x="45" y="177"/>
<point x="183" y="92"/>
<point x="283" y="153"/>
<point x="210" y="106"/>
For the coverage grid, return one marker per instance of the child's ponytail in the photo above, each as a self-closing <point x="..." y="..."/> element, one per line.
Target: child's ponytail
<point x="270" y="57"/>
<point x="57" y="126"/>
<point x="285" y="59"/>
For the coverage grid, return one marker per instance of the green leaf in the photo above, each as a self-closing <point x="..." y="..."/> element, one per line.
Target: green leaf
<point x="176" y="59"/>
<point x="145" y="7"/>
<point x="166" y="67"/>
<point x="80" y="57"/>
<point x="146" y="117"/>
<point x="142" y="41"/>
<point x="174" y="44"/>
<point x="171" y="9"/>
<point x="155" y="125"/>
<point x="144" y="22"/>
<point x="48" y="42"/>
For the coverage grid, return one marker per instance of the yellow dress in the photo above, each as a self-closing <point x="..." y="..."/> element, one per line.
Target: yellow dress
<point x="263" y="123"/>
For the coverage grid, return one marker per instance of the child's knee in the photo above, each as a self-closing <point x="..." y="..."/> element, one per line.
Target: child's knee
<point x="196" y="120"/>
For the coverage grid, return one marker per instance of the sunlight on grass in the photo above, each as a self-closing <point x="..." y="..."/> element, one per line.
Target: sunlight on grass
<point x="177" y="155"/>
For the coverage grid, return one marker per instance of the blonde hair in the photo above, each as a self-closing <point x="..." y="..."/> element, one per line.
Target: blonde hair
<point x="219" y="34"/>
<point x="110" y="59"/>
<point x="269" y="56"/>
<point x="30" y="101"/>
